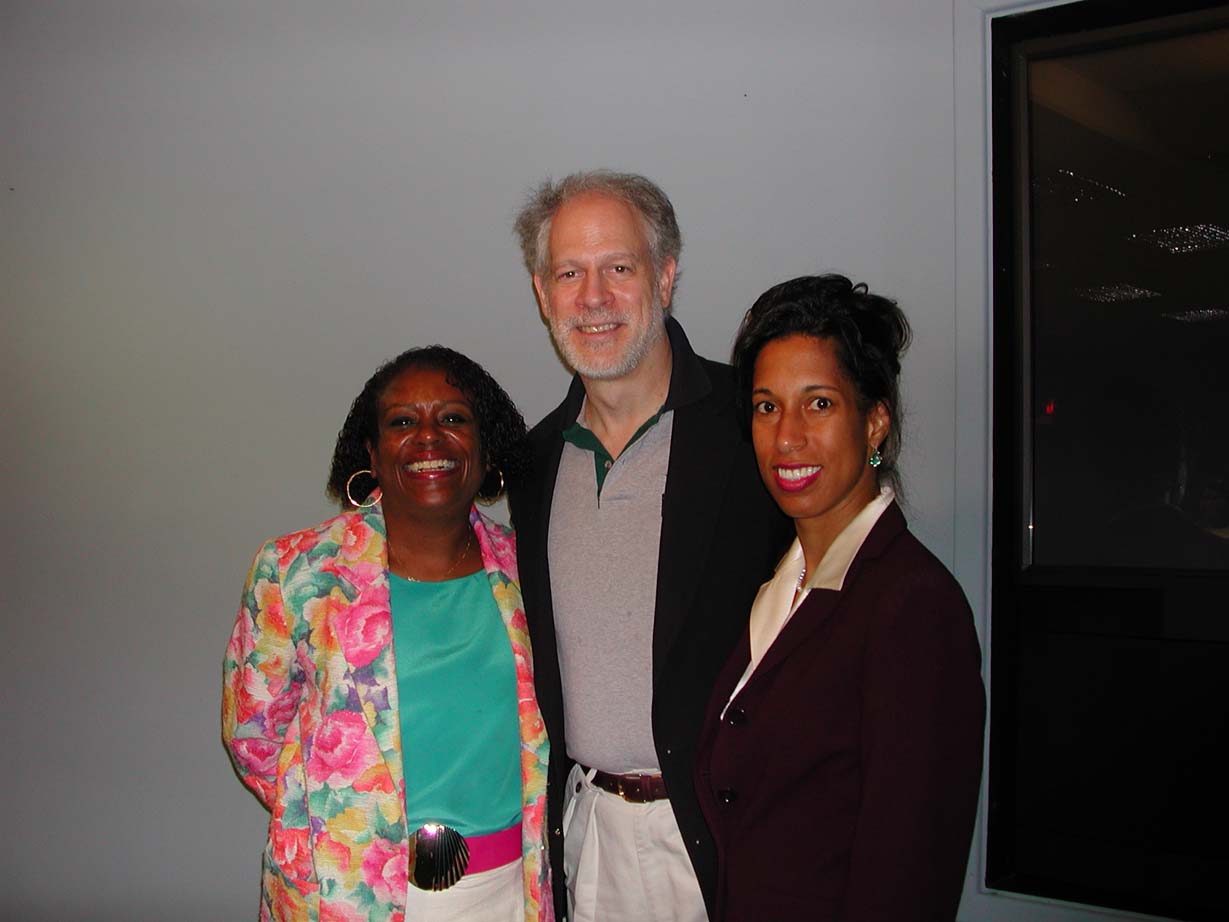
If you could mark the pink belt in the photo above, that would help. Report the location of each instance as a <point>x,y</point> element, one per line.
<point>439,856</point>
<point>493,850</point>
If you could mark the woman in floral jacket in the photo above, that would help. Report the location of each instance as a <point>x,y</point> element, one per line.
<point>378,685</point>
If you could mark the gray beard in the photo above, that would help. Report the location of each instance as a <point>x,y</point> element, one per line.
<point>620,365</point>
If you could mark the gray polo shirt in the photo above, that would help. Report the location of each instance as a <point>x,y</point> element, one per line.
<point>605,531</point>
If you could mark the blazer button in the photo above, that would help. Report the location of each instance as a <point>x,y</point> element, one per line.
<point>726,796</point>
<point>735,716</point>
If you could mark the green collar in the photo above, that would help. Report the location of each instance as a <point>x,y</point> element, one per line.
<point>584,438</point>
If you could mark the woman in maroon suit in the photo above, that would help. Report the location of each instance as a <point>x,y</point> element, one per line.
<point>840,763</point>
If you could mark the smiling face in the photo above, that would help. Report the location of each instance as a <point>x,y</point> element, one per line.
<point>601,297</point>
<point>427,456</point>
<point>812,442</point>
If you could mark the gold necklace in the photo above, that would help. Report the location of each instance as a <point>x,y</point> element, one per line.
<point>456,563</point>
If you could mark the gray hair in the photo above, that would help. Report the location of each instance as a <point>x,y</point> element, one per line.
<point>534,221</point>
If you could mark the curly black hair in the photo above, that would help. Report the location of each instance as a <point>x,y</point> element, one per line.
<point>870,333</point>
<point>501,427</point>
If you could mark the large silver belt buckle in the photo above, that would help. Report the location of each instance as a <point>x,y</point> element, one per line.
<point>438,856</point>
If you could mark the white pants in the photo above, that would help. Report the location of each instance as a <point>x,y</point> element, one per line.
<point>497,895</point>
<point>625,862</point>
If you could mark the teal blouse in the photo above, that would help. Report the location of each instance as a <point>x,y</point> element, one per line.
<point>456,682</point>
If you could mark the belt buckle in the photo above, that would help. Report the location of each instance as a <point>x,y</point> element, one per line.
<point>631,788</point>
<point>438,856</point>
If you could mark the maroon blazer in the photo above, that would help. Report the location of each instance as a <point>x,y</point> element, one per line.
<point>842,783</point>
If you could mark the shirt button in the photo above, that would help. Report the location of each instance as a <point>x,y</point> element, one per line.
<point>607,464</point>
<point>558,832</point>
<point>735,716</point>
<point>726,796</point>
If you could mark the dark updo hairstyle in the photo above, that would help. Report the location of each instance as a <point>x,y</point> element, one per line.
<point>501,428</point>
<point>870,333</point>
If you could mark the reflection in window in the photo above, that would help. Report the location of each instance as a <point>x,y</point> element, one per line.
<point>1128,264</point>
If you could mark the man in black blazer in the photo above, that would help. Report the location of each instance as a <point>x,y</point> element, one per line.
<point>643,532</point>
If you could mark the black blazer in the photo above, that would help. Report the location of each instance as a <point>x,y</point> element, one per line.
<point>842,783</point>
<point>721,534</point>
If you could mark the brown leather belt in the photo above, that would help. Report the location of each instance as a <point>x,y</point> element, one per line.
<point>635,789</point>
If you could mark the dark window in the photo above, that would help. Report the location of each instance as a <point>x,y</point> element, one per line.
<point>1110,605</point>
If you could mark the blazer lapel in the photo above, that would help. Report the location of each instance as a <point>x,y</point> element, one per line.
<point>701,459</point>
<point>532,534</point>
<point>499,561</point>
<point>812,614</point>
<point>821,604</point>
<point>364,630</point>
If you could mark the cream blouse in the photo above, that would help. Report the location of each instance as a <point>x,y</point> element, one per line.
<point>780,597</point>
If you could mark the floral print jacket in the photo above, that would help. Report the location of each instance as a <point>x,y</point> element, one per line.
<point>309,715</point>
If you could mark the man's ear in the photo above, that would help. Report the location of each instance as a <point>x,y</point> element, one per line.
<point>665,283</point>
<point>539,290</point>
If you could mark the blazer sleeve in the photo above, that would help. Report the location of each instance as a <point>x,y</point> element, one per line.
<point>922,727</point>
<point>260,688</point>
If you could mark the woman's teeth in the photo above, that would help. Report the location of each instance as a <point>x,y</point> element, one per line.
<point>417,467</point>
<point>798,473</point>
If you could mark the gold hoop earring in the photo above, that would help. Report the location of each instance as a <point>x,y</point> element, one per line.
<point>350,496</point>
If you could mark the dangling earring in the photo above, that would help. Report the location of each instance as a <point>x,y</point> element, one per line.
<point>498,493</point>
<point>350,496</point>
<point>875,459</point>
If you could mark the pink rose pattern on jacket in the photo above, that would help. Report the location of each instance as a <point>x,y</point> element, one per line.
<point>309,715</point>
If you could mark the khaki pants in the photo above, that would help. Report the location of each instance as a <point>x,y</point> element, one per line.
<point>625,862</point>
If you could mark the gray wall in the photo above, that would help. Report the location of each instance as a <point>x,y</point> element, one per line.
<point>218,217</point>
